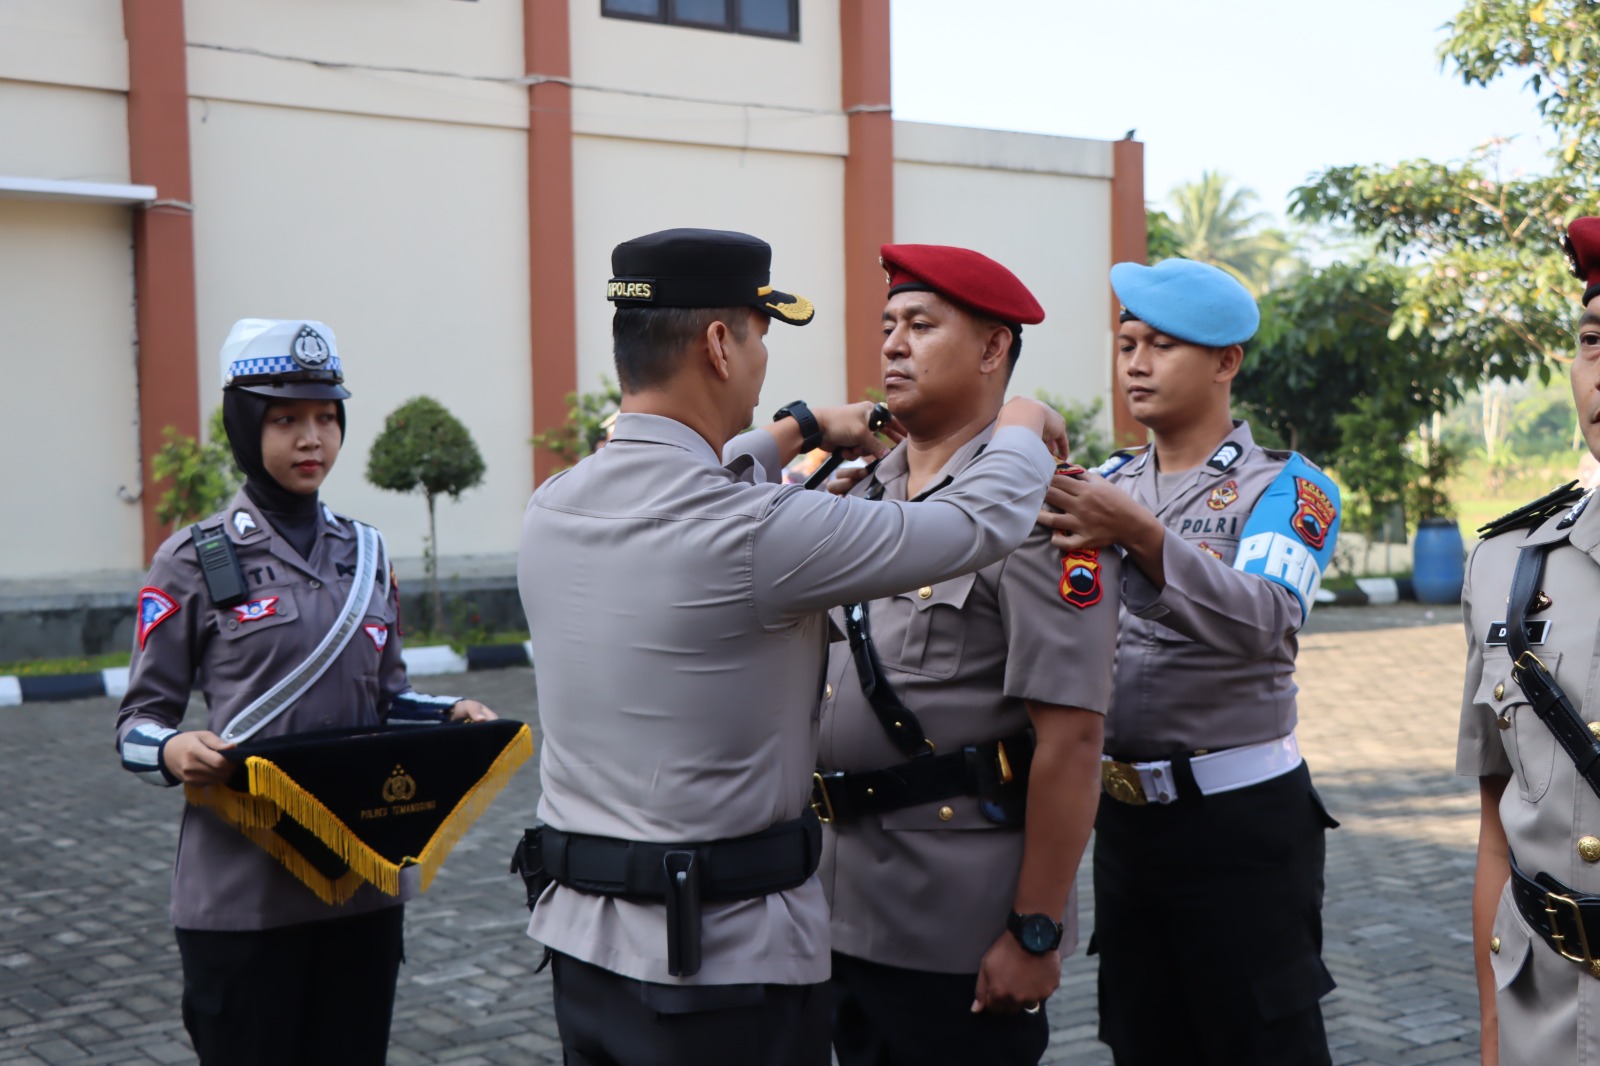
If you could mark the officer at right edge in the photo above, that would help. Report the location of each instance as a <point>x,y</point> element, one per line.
<point>1530,605</point>
<point>1209,851</point>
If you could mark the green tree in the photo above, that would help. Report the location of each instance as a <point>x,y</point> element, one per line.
<point>204,477</point>
<point>424,448</point>
<point>1161,238</point>
<point>589,416</point>
<point>1090,445</point>
<point>1488,281</point>
<point>1214,222</point>
<point>1325,346</point>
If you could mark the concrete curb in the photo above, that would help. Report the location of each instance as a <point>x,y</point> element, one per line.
<point>420,662</point>
<point>1370,590</point>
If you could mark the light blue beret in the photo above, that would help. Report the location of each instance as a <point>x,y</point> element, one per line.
<point>1194,302</point>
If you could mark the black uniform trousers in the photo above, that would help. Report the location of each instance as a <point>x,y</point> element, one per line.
<point>1208,927</point>
<point>888,1016</point>
<point>299,995</point>
<point>610,1020</point>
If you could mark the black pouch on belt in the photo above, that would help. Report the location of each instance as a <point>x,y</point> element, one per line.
<point>528,862</point>
<point>683,913</point>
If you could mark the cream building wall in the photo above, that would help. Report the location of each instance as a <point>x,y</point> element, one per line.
<point>69,410</point>
<point>1041,206</point>
<point>741,133</point>
<point>391,203</point>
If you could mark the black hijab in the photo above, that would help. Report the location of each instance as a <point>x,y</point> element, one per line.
<point>293,514</point>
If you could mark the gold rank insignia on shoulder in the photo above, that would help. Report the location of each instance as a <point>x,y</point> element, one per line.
<point>618,289</point>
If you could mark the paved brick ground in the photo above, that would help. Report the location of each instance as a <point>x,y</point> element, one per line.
<point>88,970</point>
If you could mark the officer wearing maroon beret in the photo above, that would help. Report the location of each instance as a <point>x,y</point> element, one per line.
<point>1527,720</point>
<point>961,723</point>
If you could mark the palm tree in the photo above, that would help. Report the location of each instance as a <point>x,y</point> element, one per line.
<point>1216,224</point>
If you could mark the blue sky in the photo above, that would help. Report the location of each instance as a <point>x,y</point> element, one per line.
<point>1267,91</point>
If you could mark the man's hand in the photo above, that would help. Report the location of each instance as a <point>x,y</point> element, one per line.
<point>845,431</point>
<point>471,711</point>
<point>195,758</point>
<point>1084,511</point>
<point>1010,979</point>
<point>845,479</point>
<point>1039,418</point>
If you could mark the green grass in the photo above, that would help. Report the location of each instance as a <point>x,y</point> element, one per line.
<point>1348,581</point>
<point>421,638</point>
<point>1478,499</point>
<point>60,667</point>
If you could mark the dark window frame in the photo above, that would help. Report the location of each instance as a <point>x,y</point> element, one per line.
<point>732,24</point>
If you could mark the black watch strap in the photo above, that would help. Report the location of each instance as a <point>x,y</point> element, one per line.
<point>810,431</point>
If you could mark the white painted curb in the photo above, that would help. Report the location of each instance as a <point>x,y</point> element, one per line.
<point>434,659</point>
<point>10,691</point>
<point>1379,589</point>
<point>116,681</point>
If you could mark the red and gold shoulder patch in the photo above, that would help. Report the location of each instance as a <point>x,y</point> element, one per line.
<point>155,607</point>
<point>1314,513</point>
<point>1223,495</point>
<point>1080,577</point>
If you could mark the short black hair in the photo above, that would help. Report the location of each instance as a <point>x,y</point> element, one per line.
<point>647,343</point>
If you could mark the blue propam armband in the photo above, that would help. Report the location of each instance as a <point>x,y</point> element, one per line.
<point>1290,536</point>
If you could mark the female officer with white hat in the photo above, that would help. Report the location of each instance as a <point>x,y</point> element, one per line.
<point>300,633</point>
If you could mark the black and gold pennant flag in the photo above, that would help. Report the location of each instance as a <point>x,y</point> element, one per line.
<point>341,807</point>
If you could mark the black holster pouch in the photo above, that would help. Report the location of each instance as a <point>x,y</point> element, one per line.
<point>683,912</point>
<point>528,862</point>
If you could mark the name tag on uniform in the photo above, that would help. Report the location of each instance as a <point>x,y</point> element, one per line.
<point>1500,633</point>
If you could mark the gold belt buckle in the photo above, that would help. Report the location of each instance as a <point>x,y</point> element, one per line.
<point>1587,958</point>
<point>1121,782</point>
<point>823,807</point>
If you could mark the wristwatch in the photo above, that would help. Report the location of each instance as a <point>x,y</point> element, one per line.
<point>1039,934</point>
<point>810,432</point>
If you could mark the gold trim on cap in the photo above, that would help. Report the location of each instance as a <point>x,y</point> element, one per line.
<point>801,309</point>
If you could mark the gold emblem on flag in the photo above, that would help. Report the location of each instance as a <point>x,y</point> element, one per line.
<point>400,786</point>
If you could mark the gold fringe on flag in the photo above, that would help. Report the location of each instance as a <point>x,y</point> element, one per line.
<point>274,794</point>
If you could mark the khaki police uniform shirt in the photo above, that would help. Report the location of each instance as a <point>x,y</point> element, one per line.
<point>221,880</point>
<point>1208,661</point>
<point>909,888</point>
<point>677,612</point>
<point>1547,807</point>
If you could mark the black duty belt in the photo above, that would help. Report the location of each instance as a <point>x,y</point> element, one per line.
<point>976,770</point>
<point>683,876</point>
<point>1567,919</point>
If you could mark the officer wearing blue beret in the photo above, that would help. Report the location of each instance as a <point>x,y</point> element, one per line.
<point>1208,859</point>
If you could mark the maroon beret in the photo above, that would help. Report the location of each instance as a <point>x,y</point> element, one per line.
<point>1582,245</point>
<point>966,277</point>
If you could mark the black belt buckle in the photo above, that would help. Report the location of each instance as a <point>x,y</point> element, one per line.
<point>683,913</point>
<point>528,862</point>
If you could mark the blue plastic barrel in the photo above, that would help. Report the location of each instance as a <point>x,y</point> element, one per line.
<point>1438,561</point>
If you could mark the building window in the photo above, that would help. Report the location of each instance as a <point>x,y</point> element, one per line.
<point>759,18</point>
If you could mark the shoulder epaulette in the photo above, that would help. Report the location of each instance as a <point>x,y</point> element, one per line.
<point>1533,513</point>
<point>1119,459</point>
<point>1282,454</point>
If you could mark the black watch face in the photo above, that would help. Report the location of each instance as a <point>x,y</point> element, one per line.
<point>1039,934</point>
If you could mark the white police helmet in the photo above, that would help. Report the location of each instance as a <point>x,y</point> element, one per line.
<point>287,359</point>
